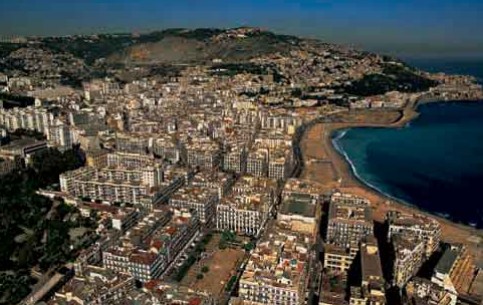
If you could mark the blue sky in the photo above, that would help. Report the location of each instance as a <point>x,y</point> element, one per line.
<point>394,26</point>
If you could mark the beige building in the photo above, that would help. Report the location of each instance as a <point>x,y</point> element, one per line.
<point>338,259</point>
<point>235,160</point>
<point>280,163</point>
<point>120,177</point>
<point>408,258</point>
<point>202,200</point>
<point>218,181</point>
<point>300,208</point>
<point>371,290</point>
<point>113,184</point>
<point>95,285</point>
<point>257,162</point>
<point>349,220</point>
<point>146,250</point>
<point>455,270</point>
<point>277,271</point>
<point>425,228</point>
<point>204,154</point>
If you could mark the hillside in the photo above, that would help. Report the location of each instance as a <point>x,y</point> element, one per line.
<point>291,60</point>
<point>197,46</point>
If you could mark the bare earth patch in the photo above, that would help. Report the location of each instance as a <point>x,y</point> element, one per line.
<point>222,265</point>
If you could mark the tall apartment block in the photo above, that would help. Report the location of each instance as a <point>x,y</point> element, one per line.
<point>425,228</point>
<point>349,221</point>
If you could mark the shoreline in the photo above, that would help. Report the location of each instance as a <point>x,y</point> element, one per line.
<point>338,134</point>
<point>346,180</point>
<point>358,176</point>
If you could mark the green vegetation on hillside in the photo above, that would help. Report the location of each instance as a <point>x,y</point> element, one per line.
<point>392,78</point>
<point>101,46</point>
<point>7,48</point>
<point>89,49</point>
<point>49,164</point>
<point>34,230</point>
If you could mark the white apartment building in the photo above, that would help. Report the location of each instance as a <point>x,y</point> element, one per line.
<point>29,118</point>
<point>243,214</point>
<point>113,184</point>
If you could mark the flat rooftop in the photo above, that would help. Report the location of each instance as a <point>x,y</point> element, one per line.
<point>21,143</point>
<point>299,206</point>
<point>447,261</point>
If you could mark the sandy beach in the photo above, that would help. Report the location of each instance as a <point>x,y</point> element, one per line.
<point>324,165</point>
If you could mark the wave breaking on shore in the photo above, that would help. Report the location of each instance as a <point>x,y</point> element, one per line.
<point>335,138</point>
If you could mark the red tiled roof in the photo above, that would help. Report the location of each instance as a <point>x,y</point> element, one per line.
<point>195,301</point>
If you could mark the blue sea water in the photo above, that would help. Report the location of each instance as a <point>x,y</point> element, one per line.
<point>435,162</point>
<point>467,66</point>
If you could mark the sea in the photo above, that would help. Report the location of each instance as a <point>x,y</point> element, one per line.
<point>434,162</point>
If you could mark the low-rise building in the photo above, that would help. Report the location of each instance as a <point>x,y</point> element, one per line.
<point>455,270</point>
<point>10,164</point>
<point>155,292</point>
<point>95,285</point>
<point>125,219</point>
<point>300,206</point>
<point>24,148</point>
<point>422,291</point>
<point>333,288</point>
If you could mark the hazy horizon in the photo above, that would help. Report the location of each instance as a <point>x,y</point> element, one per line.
<point>404,28</point>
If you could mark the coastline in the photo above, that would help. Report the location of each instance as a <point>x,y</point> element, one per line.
<point>345,177</point>
<point>354,168</point>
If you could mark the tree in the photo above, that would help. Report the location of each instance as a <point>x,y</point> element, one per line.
<point>199,276</point>
<point>205,269</point>
<point>33,230</point>
<point>49,164</point>
<point>200,248</point>
<point>249,246</point>
<point>230,283</point>
<point>228,236</point>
